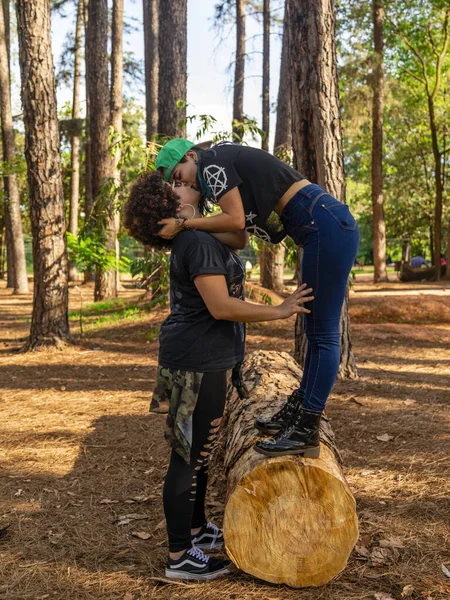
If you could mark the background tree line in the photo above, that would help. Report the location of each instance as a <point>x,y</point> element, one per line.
<point>69,168</point>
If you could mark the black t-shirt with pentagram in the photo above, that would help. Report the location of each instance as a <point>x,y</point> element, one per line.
<point>262,180</point>
<point>191,339</point>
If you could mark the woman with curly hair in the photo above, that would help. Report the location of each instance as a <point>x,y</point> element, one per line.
<point>202,338</point>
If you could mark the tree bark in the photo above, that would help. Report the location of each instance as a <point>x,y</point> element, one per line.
<point>439,188</point>
<point>88,198</point>
<point>283,131</point>
<point>12,194</point>
<point>239,72</point>
<point>172,66</point>
<point>116,122</point>
<point>266,77</point>
<point>305,505</point>
<point>10,275</point>
<point>272,267</point>
<point>99,121</point>
<point>50,324</point>
<point>316,133</point>
<point>75,141</point>
<point>379,226</point>
<point>151,40</point>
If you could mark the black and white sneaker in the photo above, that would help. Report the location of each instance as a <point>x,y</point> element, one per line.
<point>209,537</point>
<point>194,565</point>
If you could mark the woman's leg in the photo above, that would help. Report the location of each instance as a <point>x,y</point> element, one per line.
<point>183,479</point>
<point>330,239</point>
<point>328,256</point>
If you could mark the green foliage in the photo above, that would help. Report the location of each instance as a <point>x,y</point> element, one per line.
<point>154,269</point>
<point>408,164</point>
<point>88,252</point>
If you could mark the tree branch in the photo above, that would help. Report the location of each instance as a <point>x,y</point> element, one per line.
<point>441,55</point>
<point>414,50</point>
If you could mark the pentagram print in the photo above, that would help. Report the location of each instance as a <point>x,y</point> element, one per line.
<point>216,178</point>
<point>255,230</point>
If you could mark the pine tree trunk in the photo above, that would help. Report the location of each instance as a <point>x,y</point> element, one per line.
<point>50,324</point>
<point>75,141</point>
<point>239,72</point>
<point>12,194</point>
<point>283,131</point>
<point>99,120</point>
<point>438,187</point>
<point>272,267</point>
<point>116,121</point>
<point>10,276</point>
<point>172,66</point>
<point>266,77</point>
<point>151,40</point>
<point>88,198</point>
<point>316,134</point>
<point>379,226</point>
<point>299,511</point>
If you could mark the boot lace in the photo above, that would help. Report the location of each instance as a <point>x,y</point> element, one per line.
<point>288,409</point>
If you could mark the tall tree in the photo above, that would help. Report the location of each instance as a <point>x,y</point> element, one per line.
<point>425,62</point>
<point>99,120</point>
<point>88,198</point>
<point>172,66</point>
<point>266,77</point>
<point>151,40</point>
<point>50,323</point>
<point>75,138</point>
<point>317,137</point>
<point>12,194</point>
<point>379,226</point>
<point>272,267</point>
<point>272,257</point>
<point>10,275</point>
<point>239,71</point>
<point>283,130</point>
<point>116,120</point>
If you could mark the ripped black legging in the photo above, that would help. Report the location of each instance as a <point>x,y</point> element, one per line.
<point>185,484</point>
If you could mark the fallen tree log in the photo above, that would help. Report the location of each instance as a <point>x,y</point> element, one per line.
<point>288,519</point>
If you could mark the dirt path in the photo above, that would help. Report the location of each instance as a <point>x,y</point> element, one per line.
<point>79,451</point>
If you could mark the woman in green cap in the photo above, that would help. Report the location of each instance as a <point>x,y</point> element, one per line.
<point>270,199</point>
<point>200,340</point>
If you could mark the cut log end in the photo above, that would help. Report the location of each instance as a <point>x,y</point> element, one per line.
<point>291,520</point>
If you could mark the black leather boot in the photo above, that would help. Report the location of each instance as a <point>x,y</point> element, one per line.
<point>283,417</point>
<point>302,437</point>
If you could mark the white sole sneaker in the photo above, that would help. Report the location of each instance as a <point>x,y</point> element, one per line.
<point>189,576</point>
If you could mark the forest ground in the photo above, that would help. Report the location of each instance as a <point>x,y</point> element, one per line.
<point>79,451</point>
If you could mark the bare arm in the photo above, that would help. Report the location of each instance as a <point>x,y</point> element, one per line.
<point>237,240</point>
<point>213,289</point>
<point>232,218</point>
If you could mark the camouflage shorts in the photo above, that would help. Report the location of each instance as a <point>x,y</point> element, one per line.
<point>180,390</point>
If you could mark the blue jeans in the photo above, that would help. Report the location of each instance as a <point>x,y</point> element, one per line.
<point>330,238</point>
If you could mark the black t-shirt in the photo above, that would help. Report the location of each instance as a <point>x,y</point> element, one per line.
<point>262,180</point>
<point>191,339</point>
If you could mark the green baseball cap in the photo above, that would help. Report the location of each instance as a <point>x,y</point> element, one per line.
<point>171,154</point>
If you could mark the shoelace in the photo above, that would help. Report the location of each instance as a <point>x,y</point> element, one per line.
<point>216,533</point>
<point>287,409</point>
<point>198,553</point>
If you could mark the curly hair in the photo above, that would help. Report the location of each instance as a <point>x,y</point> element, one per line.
<point>150,200</point>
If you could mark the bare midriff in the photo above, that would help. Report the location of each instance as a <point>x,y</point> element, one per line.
<point>289,194</point>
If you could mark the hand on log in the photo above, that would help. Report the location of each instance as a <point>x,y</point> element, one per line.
<point>288,519</point>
